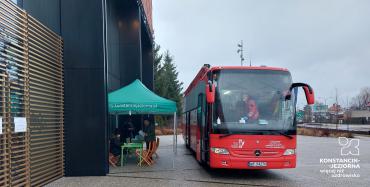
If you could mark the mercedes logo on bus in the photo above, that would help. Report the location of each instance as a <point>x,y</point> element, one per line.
<point>257,152</point>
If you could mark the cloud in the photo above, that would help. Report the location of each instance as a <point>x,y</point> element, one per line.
<point>323,43</point>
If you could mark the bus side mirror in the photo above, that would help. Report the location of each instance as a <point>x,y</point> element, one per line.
<point>310,96</point>
<point>210,92</point>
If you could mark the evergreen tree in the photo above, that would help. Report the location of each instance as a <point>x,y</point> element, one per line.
<point>171,86</point>
<point>157,69</point>
<point>166,83</point>
<point>157,57</point>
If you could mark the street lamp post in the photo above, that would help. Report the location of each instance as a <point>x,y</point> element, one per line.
<point>240,50</point>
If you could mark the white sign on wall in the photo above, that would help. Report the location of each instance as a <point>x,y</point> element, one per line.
<point>20,124</point>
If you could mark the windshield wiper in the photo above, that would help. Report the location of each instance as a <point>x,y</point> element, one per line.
<point>226,135</point>
<point>229,134</point>
<point>279,132</point>
<point>285,134</point>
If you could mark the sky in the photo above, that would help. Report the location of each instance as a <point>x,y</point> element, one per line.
<point>323,43</point>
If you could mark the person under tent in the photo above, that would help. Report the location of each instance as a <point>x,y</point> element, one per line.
<point>149,132</point>
<point>115,148</point>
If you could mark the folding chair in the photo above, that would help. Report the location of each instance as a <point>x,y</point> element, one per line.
<point>152,151</point>
<point>112,160</point>
<point>147,154</point>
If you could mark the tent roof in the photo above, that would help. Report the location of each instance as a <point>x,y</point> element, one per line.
<point>136,98</point>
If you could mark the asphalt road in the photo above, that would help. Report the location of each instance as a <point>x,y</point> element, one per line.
<point>185,171</point>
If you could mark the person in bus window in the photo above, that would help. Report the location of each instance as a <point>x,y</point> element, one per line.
<point>253,113</point>
<point>249,108</point>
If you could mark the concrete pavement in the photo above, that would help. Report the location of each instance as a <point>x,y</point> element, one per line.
<point>183,170</point>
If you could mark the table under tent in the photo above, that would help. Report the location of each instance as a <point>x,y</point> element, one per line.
<point>136,98</point>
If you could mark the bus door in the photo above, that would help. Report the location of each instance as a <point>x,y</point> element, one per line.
<point>187,128</point>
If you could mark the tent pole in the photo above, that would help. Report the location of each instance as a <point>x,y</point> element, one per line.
<point>173,138</point>
<point>174,133</point>
<point>175,121</point>
<point>116,121</point>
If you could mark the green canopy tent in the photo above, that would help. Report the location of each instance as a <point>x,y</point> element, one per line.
<point>136,98</point>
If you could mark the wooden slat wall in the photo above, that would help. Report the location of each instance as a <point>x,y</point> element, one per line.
<point>46,103</point>
<point>4,137</point>
<point>31,86</point>
<point>14,60</point>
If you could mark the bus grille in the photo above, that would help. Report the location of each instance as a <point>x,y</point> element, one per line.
<point>247,153</point>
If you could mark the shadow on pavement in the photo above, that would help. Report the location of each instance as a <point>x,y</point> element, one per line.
<point>238,174</point>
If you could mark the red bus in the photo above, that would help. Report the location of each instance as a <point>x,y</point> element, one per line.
<point>242,117</point>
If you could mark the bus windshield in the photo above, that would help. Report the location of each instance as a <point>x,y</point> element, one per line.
<point>252,101</point>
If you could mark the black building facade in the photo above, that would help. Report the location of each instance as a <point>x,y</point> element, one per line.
<point>107,45</point>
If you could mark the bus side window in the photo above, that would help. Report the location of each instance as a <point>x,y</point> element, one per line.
<point>200,109</point>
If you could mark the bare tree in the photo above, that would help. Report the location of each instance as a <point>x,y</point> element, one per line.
<point>362,99</point>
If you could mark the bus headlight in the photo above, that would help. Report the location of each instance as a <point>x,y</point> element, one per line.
<point>289,152</point>
<point>221,151</point>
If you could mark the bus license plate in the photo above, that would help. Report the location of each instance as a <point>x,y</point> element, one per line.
<point>257,164</point>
